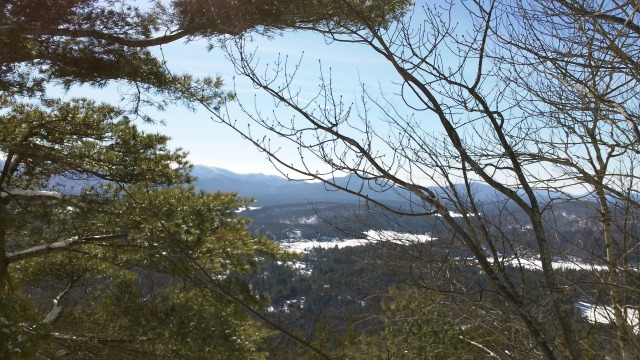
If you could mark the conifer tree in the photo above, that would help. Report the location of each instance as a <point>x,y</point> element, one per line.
<point>100,227</point>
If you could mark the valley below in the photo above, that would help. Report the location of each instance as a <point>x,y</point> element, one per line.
<point>355,263</point>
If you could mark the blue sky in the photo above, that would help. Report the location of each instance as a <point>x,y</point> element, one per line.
<point>214,144</point>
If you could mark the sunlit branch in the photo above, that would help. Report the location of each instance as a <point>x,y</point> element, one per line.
<point>59,246</point>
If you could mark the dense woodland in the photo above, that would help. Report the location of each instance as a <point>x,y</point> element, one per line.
<point>363,301</point>
<point>510,134</point>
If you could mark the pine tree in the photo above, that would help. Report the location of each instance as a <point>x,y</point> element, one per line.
<point>101,230</point>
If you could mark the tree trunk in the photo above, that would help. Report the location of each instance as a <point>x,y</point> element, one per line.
<point>626,337</point>
<point>4,282</point>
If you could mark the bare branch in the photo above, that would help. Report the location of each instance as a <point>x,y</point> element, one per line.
<point>60,246</point>
<point>56,309</point>
<point>30,193</point>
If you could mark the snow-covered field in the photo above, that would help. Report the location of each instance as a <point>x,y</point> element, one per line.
<point>593,313</point>
<point>535,264</point>
<point>604,315</point>
<point>373,236</point>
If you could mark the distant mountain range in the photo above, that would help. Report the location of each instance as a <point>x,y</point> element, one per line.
<point>268,190</point>
<point>308,210</point>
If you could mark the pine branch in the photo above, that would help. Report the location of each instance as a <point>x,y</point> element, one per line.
<point>94,34</point>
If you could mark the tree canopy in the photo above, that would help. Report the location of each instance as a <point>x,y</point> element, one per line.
<point>95,42</point>
<point>108,251</point>
<point>101,229</point>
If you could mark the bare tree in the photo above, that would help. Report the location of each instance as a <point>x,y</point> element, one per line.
<point>536,99</point>
<point>580,86</point>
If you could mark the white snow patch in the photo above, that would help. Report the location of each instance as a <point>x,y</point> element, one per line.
<point>535,264</point>
<point>602,314</point>
<point>309,220</point>
<point>247,208</point>
<point>454,214</point>
<point>301,268</point>
<point>396,237</point>
<point>287,305</point>
<point>307,245</point>
<point>373,236</point>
